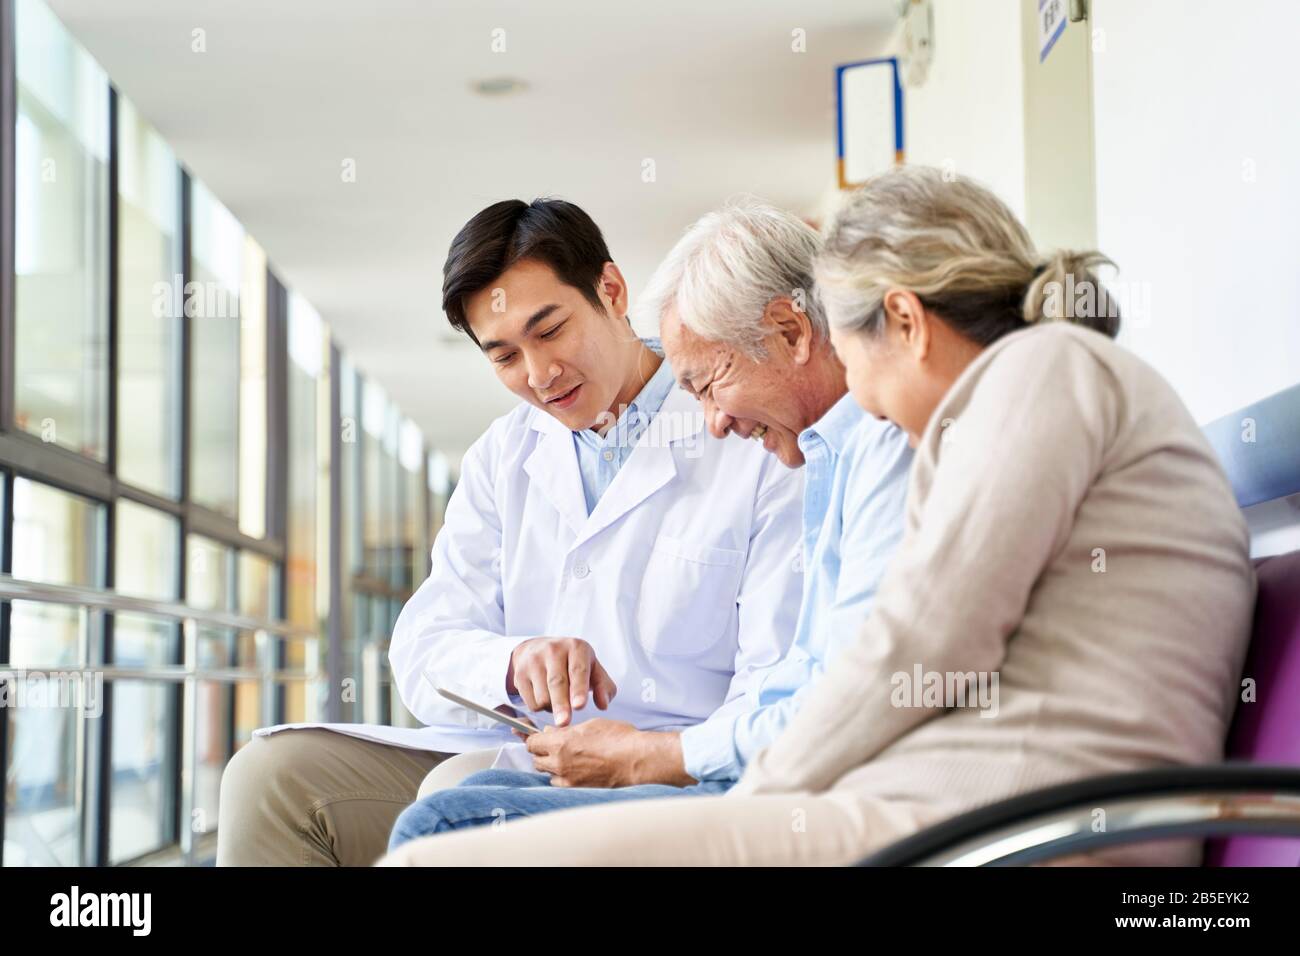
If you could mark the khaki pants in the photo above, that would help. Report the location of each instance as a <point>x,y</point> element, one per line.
<point>317,798</point>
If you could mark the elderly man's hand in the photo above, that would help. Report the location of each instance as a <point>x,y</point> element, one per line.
<point>608,753</point>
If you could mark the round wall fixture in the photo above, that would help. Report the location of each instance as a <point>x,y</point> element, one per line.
<point>498,86</point>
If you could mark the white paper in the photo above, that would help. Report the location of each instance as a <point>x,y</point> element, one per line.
<point>413,738</point>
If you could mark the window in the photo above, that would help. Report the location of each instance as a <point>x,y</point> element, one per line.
<point>210,485</point>
<point>147,554</point>
<point>259,596</point>
<point>212,309</point>
<point>252,391</point>
<point>210,584</point>
<point>308,520</point>
<point>58,538</point>
<point>145,722</point>
<point>413,556</point>
<point>439,474</point>
<point>306,361</point>
<point>352,557</point>
<point>61,141</point>
<point>144,713</point>
<point>150,307</point>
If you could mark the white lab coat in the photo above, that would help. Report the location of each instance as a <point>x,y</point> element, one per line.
<point>685,579</point>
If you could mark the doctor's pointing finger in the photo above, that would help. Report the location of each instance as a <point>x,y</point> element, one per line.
<point>557,674</point>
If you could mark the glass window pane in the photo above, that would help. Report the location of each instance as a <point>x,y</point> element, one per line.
<point>150,306</point>
<point>351,558</point>
<point>303,699</point>
<point>306,344</point>
<point>60,236</point>
<point>410,454</point>
<point>142,641</point>
<point>214,648</point>
<point>246,650</point>
<point>439,490</point>
<point>391,498</point>
<point>248,711</point>
<point>212,742</point>
<point>41,825</point>
<point>212,309</point>
<point>147,553</point>
<point>295,702</point>
<point>258,584</point>
<point>379,509</point>
<point>44,635</point>
<point>58,537</point>
<point>252,392</point>
<point>209,574</point>
<point>298,655</point>
<point>144,719</point>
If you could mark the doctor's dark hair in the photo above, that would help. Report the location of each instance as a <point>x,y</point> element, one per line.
<point>551,231</point>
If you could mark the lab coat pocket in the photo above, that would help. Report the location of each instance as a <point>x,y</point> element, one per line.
<point>688,596</point>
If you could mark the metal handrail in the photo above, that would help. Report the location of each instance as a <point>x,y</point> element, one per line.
<point>88,600</point>
<point>175,672</point>
<point>1136,820</point>
<point>19,589</point>
<point>1160,803</point>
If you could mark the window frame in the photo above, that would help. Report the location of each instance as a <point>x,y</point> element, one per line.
<point>23,455</point>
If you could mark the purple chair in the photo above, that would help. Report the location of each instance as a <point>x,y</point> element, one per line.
<point>1248,808</point>
<point>1268,730</point>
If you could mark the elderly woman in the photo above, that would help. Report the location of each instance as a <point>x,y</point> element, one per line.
<point>1072,595</point>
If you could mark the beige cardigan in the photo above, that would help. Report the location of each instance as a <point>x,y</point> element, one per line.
<point>1069,530</point>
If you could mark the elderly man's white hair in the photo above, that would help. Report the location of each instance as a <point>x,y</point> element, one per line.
<point>728,266</point>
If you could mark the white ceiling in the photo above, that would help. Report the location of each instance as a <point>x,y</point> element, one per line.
<point>288,90</point>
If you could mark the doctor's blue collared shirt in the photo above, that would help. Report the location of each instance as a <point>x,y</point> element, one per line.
<point>601,456</point>
<point>855,489</point>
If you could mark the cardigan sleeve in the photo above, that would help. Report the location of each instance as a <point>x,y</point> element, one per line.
<point>1028,436</point>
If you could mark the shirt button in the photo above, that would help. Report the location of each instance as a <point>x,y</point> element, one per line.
<point>607,455</point>
<point>580,570</point>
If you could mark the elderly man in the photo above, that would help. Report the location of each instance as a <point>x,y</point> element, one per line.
<point>745,336</point>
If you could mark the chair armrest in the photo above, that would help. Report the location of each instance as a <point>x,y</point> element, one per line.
<point>1166,803</point>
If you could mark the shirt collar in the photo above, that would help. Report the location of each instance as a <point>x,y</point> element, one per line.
<point>648,401</point>
<point>836,425</point>
<point>651,397</point>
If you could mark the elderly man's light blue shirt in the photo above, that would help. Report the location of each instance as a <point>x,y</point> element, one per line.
<point>601,456</point>
<point>855,491</point>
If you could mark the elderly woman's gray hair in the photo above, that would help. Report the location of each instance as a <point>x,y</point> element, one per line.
<point>963,253</point>
<point>722,274</point>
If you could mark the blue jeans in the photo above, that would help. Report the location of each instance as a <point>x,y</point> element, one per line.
<point>491,795</point>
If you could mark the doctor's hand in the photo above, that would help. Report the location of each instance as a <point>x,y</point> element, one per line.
<point>556,674</point>
<point>608,753</point>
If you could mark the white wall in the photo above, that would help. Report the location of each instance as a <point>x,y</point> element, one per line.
<point>1060,170</point>
<point>969,111</point>
<point>1198,188</point>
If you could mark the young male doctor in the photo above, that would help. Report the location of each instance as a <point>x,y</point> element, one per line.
<point>599,553</point>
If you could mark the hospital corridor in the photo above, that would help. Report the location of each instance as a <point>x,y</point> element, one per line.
<point>481,434</point>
